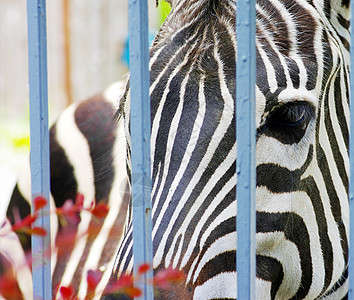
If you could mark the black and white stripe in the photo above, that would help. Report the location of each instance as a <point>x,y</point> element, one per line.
<point>302,118</point>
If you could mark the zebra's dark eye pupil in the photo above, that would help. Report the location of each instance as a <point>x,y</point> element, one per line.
<point>288,122</point>
<point>290,115</point>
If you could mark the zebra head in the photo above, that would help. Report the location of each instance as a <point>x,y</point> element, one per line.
<point>301,150</point>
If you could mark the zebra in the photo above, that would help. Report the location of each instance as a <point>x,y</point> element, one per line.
<point>302,117</point>
<point>87,156</point>
<point>302,143</point>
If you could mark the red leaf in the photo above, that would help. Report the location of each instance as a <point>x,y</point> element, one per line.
<point>25,223</point>
<point>100,211</point>
<point>120,285</point>
<point>66,292</point>
<point>9,288</point>
<point>132,292</point>
<point>143,268</point>
<point>124,281</point>
<point>68,207</point>
<point>70,211</point>
<point>79,200</point>
<point>93,279</point>
<point>38,231</point>
<point>164,278</point>
<point>39,202</point>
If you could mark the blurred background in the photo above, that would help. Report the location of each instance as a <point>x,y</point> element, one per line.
<point>87,51</point>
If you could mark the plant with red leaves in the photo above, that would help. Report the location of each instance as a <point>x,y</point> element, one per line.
<point>100,211</point>
<point>8,284</point>
<point>25,226</point>
<point>143,269</point>
<point>163,279</point>
<point>68,214</point>
<point>39,202</point>
<point>93,279</point>
<point>67,293</point>
<point>167,277</point>
<point>70,211</point>
<point>124,285</point>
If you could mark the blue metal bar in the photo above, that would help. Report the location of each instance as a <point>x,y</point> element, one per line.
<point>351,176</point>
<point>37,58</point>
<point>140,144</point>
<point>246,140</point>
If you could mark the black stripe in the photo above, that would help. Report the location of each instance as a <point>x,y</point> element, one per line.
<point>335,202</point>
<point>310,187</point>
<point>279,179</point>
<point>63,185</point>
<point>262,77</point>
<point>275,62</point>
<point>294,72</point>
<point>338,100</point>
<point>167,115</point>
<point>291,223</point>
<point>333,139</point>
<point>19,203</point>
<point>280,33</point>
<point>270,269</point>
<point>227,54</point>
<point>342,21</point>
<point>19,207</point>
<point>218,264</point>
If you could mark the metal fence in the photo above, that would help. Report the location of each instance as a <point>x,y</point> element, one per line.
<point>140,128</point>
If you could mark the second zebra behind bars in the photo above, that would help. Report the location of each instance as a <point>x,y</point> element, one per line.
<point>302,117</point>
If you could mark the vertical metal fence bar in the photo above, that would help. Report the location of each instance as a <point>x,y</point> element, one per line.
<point>140,144</point>
<point>351,156</point>
<point>39,157</point>
<point>246,139</point>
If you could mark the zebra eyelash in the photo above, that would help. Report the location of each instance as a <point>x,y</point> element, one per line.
<point>288,118</point>
<point>294,114</point>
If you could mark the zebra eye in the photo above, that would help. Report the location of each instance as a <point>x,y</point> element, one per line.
<point>294,114</point>
<point>288,122</point>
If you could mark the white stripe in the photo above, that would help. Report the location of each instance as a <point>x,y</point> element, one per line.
<point>218,287</point>
<point>77,151</point>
